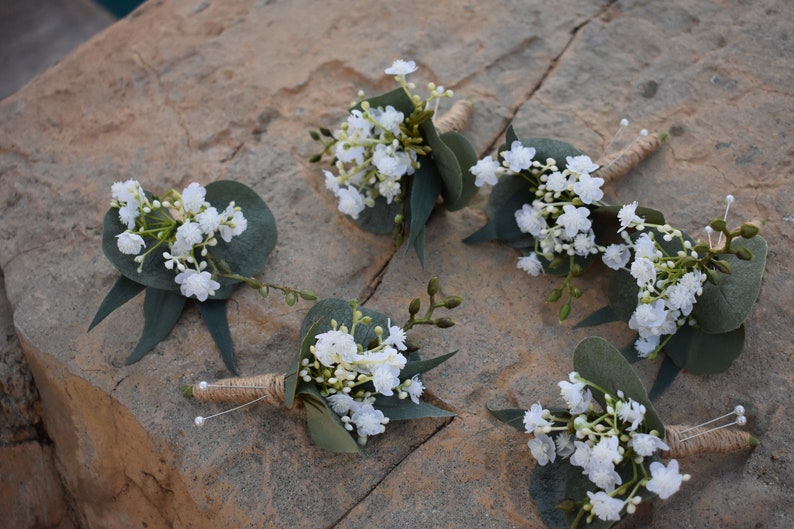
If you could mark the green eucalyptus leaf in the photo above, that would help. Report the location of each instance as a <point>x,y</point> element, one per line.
<point>622,294</point>
<point>325,428</point>
<point>291,381</point>
<point>445,162</point>
<point>161,311</point>
<point>424,190</point>
<point>508,195</point>
<point>725,306</point>
<point>213,312</point>
<point>397,98</point>
<point>547,487</point>
<point>245,254</point>
<point>599,317</point>
<point>598,361</point>
<point>668,371</point>
<point>467,158</point>
<point>404,409</point>
<point>549,148</point>
<point>379,218</point>
<point>121,292</point>
<point>512,416</point>
<point>418,367</point>
<point>702,353</point>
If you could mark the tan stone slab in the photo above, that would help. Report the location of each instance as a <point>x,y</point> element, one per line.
<point>205,90</point>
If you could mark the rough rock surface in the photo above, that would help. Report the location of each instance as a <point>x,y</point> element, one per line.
<point>201,90</point>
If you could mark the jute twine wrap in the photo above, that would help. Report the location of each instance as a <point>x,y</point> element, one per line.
<point>455,118</point>
<point>242,390</point>
<point>714,442</point>
<point>626,161</point>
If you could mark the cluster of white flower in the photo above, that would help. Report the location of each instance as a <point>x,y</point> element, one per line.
<point>669,284</point>
<point>599,444</point>
<point>184,222</point>
<point>374,150</point>
<point>343,371</point>
<point>557,218</point>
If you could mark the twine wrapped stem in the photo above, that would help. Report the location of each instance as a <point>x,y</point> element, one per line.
<point>455,118</point>
<point>616,165</point>
<point>242,390</point>
<point>714,442</point>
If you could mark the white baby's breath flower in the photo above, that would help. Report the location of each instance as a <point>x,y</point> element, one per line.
<point>616,256</point>
<point>129,213</point>
<point>581,165</point>
<point>628,216</point>
<point>543,449</point>
<point>335,346</point>
<point>665,481</point>
<point>530,219</point>
<point>533,418</point>
<point>189,233</point>
<point>350,201</point>
<point>605,506</point>
<point>193,197</point>
<point>401,67</point>
<point>631,412</point>
<point>209,220</point>
<point>342,403</point>
<point>415,389</point>
<point>129,243</point>
<point>199,284</point>
<point>588,188</point>
<point>369,421</point>
<point>574,220</point>
<point>234,224</point>
<point>518,157</point>
<point>646,445</point>
<point>575,394</point>
<point>396,337</point>
<point>486,172</point>
<point>644,271</point>
<point>530,264</point>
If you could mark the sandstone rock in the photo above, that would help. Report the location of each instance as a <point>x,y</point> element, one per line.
<point>200,90</point>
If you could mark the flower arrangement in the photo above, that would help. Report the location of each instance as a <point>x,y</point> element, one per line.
<point>392,161</point>
<point>354,373</point>
<point>179,246</point>
<point>597,465</point>
<point>684,297</point>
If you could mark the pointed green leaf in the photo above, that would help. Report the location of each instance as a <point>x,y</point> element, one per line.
<point>547,489</point>
<point>214,314</point>
<point>622,294</point>
<point>418,367</point>
<point>325,428</point>
<point>508,195</point>
<point>379,218</point>
<point>404,409</point>
<point>725,306</point>
<point>445,163</point>
<point>599,317</point>
<point>599,362</point>
<point>425,187</point>
<point>396,98</point>
<point>291,380</point>
<point>668,371</point>
<point>467,158</point>
<point>513,416</point>
<point>161,311</point>
<point>701,353</point>
<point>121,292</point>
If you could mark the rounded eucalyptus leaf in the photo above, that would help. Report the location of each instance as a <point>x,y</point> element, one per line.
<point>467,158</point>
<point>725,306</point>
<point>445,163</point>
<point>245,255</point>
<point>549,148</point>
<point>379,218</point>
<point>329,309</point>
<point>701,353</point>
<point>508,195</point>
<point>598,361</point>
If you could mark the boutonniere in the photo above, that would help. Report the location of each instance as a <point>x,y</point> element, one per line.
<point>354,373</point>
<point>392,158</point>
<point>200,243</point>
<point>603,454</point>
<point>686,297</point>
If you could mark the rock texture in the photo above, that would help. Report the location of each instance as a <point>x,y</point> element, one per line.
<point>207,89</point>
